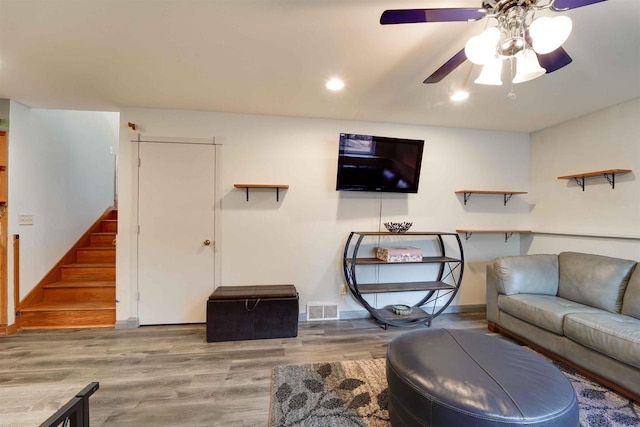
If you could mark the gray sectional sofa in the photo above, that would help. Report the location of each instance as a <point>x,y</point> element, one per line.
<point>579,308</point>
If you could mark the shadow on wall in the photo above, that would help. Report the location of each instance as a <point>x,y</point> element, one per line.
<point>259,198</point>
<point>487,203</point>
<point>601,180</point>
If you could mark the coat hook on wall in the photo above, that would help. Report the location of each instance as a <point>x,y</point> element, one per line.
<point>132,126</point>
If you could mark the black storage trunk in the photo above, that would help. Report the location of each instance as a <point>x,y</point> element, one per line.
<point>252,312</point>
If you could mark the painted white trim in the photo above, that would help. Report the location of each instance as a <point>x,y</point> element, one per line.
<point>217,217</point>
<point>589,235</point>
<point>364,314</point>
<point>138,137</point>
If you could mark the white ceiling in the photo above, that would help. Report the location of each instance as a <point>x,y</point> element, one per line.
<point>273,57</point>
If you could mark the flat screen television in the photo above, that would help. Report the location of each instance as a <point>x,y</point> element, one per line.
<point>376,163</point>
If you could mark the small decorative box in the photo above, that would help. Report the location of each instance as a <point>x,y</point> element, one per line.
<point>399,254</point>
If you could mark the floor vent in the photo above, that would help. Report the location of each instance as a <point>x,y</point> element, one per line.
<point>322,311</point>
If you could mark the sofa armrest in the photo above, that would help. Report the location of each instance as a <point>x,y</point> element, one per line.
<point>527,274</point>
<point>493,313</point>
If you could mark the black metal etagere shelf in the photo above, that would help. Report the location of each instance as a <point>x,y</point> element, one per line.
<point>437,293</point>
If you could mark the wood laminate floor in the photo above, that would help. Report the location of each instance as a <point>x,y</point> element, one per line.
<point>170,375</point>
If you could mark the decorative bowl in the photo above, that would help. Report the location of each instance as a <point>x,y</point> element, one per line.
<point>398,227</point>
<point>401,309</point>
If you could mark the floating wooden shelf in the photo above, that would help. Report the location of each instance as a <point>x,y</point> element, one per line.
<point>609,174</point>
<point>507,233</point>
<point>506,194</point>
<point>277,187</point>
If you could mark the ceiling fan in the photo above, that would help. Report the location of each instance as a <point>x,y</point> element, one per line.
<point>535,44</point>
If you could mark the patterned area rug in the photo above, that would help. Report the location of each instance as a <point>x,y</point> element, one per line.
<point>354,394</point>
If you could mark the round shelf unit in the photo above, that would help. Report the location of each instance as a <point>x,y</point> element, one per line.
<point>436,292</point>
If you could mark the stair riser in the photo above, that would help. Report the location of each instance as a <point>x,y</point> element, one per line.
<point>101,240</point>
<point>88,294</point>
<point>110,226</point>
<point>91,256</point>
<point>88,273</point>
<point>67,319</point>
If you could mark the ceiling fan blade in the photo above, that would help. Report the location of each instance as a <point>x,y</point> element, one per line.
<point>554,60</point>
<point>447,68</point>
<point>572,4</point>
<point>411,16</point>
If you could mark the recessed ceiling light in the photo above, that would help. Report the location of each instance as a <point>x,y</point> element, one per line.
<point>459,95</point>
<point>334,84</point>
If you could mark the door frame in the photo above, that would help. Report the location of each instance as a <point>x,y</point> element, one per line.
<point>217,229</point>
<point>4,241</point>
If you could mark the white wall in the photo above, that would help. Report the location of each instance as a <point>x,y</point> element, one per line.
<point>300,240</point>
<point>62,172</point>
<point>607,139</point>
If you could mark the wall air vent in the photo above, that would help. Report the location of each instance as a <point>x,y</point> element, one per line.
<point>322,311</point>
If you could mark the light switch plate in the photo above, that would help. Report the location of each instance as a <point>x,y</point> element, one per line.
<point>25,219</point>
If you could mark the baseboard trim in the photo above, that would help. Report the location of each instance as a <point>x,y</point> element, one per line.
<point>363,314</point>
<point>130,323</point>
<point>8,329</point>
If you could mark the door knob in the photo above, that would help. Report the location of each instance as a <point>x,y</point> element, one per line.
<point>207,242</point>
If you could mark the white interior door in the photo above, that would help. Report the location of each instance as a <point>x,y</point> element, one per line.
<point>175,243</point>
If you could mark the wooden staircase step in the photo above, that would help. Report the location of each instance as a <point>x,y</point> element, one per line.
<point>85,293</point>
<point>102,238</point>
<point>89,271</point>
<point>89,291</point>
<point>109,225</point>
<point>79,284</point>
<point>72,306</point>
<point>92,254</point>
<point>46,315</point>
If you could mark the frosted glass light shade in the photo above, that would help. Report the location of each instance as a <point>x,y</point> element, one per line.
<point>481,49</point>
<point>528,67</point>
<point>548,34</point>
<point>459,95</point>
<point>335,84</point>
<point>491,73</point>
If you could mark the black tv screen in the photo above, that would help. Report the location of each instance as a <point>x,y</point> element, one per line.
<point>376,163</point>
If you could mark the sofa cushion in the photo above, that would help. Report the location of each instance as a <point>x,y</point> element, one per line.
<point>614,335</point>
<point>544,311</point>
<point>631,301</point>
<point>527,274</point>
<point>594,280</point>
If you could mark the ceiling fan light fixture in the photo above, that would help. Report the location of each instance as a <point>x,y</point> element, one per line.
<point>459,95</point>
<point>548,34</point>
<point>491,73</point>
<point>528,67</point>
<point>334,84</point>
<point>481,49</point>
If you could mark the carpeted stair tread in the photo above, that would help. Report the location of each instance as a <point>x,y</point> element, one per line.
<point>69,306</point>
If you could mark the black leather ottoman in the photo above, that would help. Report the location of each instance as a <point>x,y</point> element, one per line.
<point>458,378</point>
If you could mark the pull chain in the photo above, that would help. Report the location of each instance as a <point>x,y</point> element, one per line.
<point>511,95</point>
